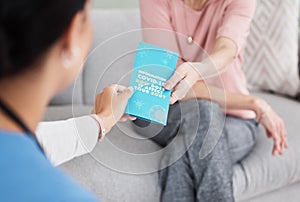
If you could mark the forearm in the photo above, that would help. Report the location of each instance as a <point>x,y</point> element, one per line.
<point>218,60</point>
<point>226,99</point>
<point>65,140</point>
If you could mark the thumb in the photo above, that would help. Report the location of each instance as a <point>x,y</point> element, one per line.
<point>126,93</point>
<point>174,80</point>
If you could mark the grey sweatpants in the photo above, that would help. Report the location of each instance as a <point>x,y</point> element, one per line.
<point>202,145</point>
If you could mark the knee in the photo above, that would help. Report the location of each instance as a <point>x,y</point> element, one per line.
<point>204,109</point>
<point>209,109</point>
<point>206,126</point>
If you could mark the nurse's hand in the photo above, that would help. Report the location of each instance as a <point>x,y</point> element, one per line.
<point>185,76</point>
<point>111,103</point>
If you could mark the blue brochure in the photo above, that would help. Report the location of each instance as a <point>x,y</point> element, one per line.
<point>153,66</point>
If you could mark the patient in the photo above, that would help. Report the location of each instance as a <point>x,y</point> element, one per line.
<point>210,36</point>
<point>42,47</point>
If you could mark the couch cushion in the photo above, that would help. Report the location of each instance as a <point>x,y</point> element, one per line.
<point>289,193</point>
<point>260,172</point>
<point>71,95</point>
<point>271,59</point>
<point>110,185</point>
<point>111,60</point>
<point>55,113</point>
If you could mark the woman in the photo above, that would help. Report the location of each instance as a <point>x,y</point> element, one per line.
<point>43,46</point>
<point>221,29</point>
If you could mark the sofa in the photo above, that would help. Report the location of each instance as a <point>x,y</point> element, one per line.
<point>117,170</point>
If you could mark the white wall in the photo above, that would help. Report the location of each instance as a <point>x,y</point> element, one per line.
<point>115,3</point>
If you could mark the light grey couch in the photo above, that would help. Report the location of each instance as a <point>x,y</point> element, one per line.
<point>258,178</point>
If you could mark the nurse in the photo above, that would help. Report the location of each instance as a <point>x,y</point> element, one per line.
<point>42,48</point>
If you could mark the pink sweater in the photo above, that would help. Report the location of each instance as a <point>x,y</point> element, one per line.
<point>219,18</point>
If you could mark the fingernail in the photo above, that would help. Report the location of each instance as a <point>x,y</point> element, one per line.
<point>130,88</point>
<point>168,86</point>
<point>172,100</point>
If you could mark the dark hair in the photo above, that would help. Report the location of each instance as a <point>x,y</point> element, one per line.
<point>28,28</point>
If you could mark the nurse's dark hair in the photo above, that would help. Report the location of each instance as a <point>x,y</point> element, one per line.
<point>28,28</point>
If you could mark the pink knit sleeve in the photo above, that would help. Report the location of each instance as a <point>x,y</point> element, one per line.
<point>237,20</point>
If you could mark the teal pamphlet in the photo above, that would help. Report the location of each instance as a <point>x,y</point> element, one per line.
<point>153,66</point>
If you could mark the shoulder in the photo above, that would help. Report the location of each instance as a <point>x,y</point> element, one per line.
<point>155,3</point>
<point>24,170</point>
<point>246,7</point>
<point>242,3</point>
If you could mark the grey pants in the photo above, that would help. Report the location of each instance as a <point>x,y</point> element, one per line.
<point>190,174</point>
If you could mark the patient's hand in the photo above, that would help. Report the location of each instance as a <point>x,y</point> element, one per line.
<point>111,103</point>
<point>274,126</point>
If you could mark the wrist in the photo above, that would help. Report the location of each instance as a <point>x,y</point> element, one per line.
<point>199,68</point>
<point>255,105</point>
<point>203,91</point>
<point>101,126</point>
<point>107,121</point>
<point>260,107</point>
